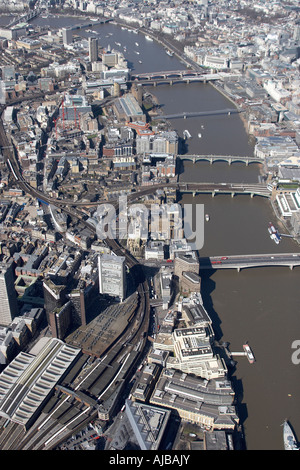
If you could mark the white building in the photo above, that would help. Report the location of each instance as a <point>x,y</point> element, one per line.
<point>194,354</point>
<point>276,91</point>
<point>8,295</point>
<point>112,275</point>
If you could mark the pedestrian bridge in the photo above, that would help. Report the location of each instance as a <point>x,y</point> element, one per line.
<point>191,114</point>
<point>250,261</point>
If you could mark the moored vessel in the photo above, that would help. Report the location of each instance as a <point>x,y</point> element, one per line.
<point>289,439</point>
<point>274,235</point>
<point>186,134</point>
<point>249,353</point>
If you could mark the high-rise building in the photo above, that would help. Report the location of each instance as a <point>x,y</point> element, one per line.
<point>67,36</point>
<point>93,49</point>
<point>8,72</point>
<point>296,34</point>
<point>8,296</point>
<point>54,297</point>
<point>112,275</point>
<point>185,262</point>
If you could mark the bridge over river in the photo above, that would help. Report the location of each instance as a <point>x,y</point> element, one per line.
<point>25,18</point>
<point>250,261</point>
<point>227,158</point>
<point>172,75</point>
<point>255,189</point>
<point>191,114</point>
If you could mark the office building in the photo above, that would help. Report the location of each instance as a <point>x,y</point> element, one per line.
<point>67,36</point>
<point>148,423</point>
<point>73,107</point>
<point>93,49</point>
<point>8,295</point>
<point>208,403</point>
<point>112,276</point>
<point>296,34</point>
<point>55,298</point>
<point>190,282</point>
<point>193,353</point>
<point>185,262</point>
<point>8,72</point>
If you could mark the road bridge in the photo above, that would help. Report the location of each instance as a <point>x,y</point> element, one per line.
<point>227,158</point>
<point>90,23</point>
<point>239,262</point>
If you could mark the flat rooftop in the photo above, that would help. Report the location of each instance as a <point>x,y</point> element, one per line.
<point>96,337</point>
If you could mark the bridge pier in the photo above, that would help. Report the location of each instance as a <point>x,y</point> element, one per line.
<point>194,160</point>
<point>211,161</point>
<point>213,194</point>
<point>233,194</point>
<point>252,195</point>
<point>291,267</point>
<point>229,161</point>
<point>238,269</point>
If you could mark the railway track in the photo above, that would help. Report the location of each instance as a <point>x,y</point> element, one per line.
<point>16,437</point>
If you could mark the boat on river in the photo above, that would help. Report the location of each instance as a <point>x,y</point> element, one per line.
<point>249,353</point>
<point>186,134</point>
<point>289,438</point>
<point>274,235</point>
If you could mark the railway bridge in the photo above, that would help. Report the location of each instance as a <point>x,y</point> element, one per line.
<point>174,76</point>
<point>25,17</point>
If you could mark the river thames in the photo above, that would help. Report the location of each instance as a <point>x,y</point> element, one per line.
<point>258,305</point>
